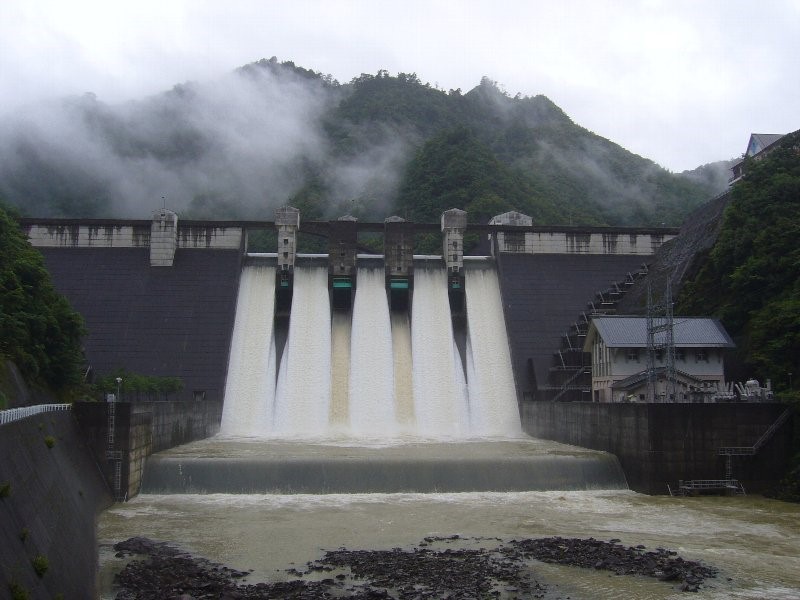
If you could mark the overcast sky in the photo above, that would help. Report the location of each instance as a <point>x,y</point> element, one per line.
<point>682,82</point>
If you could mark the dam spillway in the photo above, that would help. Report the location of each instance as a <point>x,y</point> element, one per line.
<point>334,383</point>
<point>373,401</point>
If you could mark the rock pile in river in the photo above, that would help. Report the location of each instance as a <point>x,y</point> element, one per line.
<point>459,573</point>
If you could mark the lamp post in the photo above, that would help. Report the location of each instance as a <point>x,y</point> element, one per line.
<point>119,383</point>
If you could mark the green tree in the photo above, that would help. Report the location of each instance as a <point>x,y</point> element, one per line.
<point>751,278</point>
<point>39,331</point>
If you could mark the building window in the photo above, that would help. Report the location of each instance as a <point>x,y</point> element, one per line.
<point>632,354</point>
<point>701,355</point>
<point>680,354</point>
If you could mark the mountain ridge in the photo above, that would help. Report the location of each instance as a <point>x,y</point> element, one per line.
<point>272,133</point>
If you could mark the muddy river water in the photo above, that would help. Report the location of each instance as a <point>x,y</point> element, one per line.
<point>754,542</point>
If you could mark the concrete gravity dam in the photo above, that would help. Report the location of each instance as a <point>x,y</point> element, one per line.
<point>407,355</point>
<point>368,400</point>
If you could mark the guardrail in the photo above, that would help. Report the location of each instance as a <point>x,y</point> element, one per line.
<point>15,414</point>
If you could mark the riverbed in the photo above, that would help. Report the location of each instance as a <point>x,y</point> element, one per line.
<point>754,542</point>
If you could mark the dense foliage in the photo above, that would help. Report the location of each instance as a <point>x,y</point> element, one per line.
<point>275,133</point>
<point>39,331</point>
<point>751,279</point>
<point>134,386</point>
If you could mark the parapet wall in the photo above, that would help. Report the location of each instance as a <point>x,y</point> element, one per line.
<point>659,444</point>
<point>129,234</point>
<point>640,243</point>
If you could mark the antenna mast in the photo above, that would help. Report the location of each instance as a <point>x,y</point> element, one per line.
<point>660,345</point>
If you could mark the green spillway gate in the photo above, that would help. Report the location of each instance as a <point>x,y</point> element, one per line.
<point>342,293</point>
<point>399,294</point>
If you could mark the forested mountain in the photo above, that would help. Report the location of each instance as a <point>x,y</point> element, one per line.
<point>751,278</point>
<point>39,331</point>
<point>273,133</point>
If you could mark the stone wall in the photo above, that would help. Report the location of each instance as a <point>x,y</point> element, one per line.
<point>48,503</point>
<point>659,444</point>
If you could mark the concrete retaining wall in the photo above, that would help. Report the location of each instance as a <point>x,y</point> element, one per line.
<point>176,423</point>
<point>48,507</point>
<point>658,444</point>
<point>142,428</point>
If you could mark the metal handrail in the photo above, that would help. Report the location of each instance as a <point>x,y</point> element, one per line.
<point>15,414</point>
<point>773,428</point>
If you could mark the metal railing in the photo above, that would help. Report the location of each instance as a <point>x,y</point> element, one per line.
<point>751,450</point>
<point>15,414</point>
<point>692,486</point>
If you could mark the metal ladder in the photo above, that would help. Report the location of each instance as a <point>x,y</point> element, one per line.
<point>113,455</point>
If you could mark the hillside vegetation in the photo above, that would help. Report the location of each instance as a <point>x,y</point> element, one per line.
<point>39,331</point>
<point>751,278</point>
<point>274,133</point>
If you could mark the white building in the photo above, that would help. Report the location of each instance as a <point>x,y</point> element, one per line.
<point>619,350</point>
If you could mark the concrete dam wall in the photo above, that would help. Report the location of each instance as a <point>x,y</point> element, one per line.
<point>157,321</point>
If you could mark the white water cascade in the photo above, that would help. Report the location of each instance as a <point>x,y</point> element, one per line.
<point>250,387</point>
<point>440,400</point>
<point>380,376</point>
<point>302,399</point>
<point>489,359</point>
<point>372,412</point>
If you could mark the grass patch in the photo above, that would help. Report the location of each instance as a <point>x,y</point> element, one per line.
<point>18,592</point>
<point>5,489</point>
<point>50,441</point>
